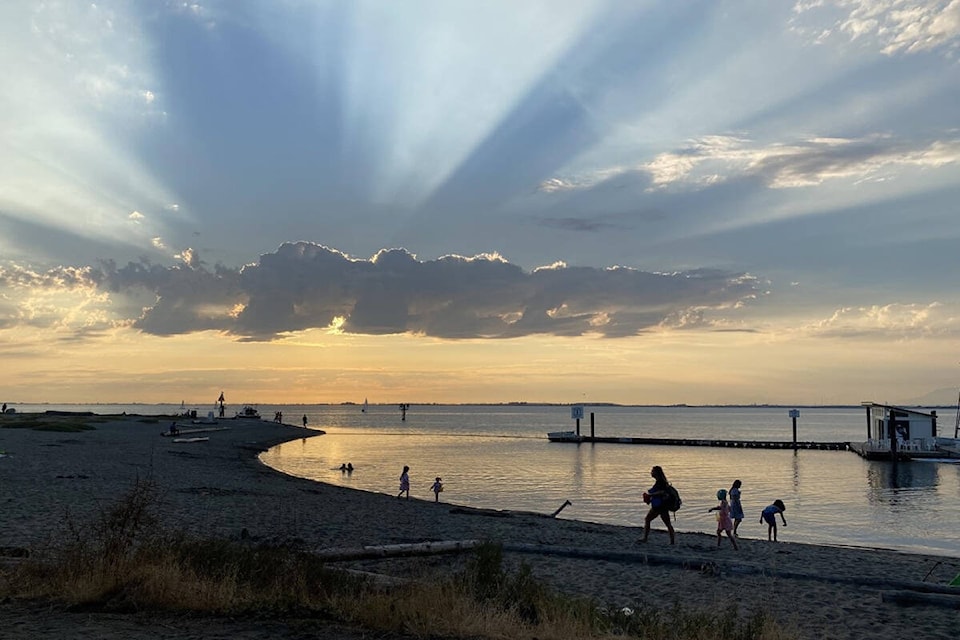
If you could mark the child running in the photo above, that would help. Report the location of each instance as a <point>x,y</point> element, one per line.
<point>769,515</point>
<point>724,523</point>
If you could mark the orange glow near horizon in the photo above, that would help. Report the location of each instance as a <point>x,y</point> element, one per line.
<point>316,367</point>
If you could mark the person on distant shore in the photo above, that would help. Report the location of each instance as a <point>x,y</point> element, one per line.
<point>736,508</point>
<point>656,498</point>
<point>769,515</point>
<point>405,482</point>
<point>724,522</point>
<point>304,421</point>
<point>436,487</point>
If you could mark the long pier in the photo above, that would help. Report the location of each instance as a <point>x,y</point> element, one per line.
<point>708,442</point>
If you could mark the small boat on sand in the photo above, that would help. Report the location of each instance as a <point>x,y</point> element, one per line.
<point>248,413</point>
<point>177,431</point>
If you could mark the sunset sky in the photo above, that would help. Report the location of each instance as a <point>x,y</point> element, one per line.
<point>461,201</point>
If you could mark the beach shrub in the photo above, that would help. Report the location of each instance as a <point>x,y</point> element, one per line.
<point>487,581</point>
<point>677,623</point>
<point>60,425</point>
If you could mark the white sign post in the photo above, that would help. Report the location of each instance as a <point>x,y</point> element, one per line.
<point>576,413</point>
<point>794,414</point>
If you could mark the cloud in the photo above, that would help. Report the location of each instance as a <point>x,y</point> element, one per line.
<point>305,285</point>
<point>893,321</point>
<point>807,162</point>
<point>63,299</point>
<point>579,224</point>
<point>308,286</point>
<point>893,26</point>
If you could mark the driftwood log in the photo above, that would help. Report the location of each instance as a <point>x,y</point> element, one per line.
<point>396,550</point>
<point>908,598</point>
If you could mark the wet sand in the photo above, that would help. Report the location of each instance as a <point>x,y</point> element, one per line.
<point>219,488</point>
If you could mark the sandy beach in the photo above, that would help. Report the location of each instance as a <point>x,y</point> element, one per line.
<point>218,488</point>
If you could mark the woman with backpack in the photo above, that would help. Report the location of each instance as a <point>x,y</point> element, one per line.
<point>657,498</point>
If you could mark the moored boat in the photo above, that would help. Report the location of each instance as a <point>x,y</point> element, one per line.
<point>563,436</point>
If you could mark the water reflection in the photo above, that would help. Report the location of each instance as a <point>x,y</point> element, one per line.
<point>903,487</point>
<point>903,475</point>
<point>796,470</point>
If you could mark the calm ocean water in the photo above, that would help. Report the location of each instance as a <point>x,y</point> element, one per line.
<point>499,457</point>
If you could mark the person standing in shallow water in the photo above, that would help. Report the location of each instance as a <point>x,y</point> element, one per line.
<point>405,482</point>
<point>656,497</point>
<point>736,509</point>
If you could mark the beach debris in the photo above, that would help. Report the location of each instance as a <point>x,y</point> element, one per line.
<point>566,503</point>
<point>944,563</point>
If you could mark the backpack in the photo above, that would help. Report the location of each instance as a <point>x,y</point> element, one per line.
<point>672,499</point>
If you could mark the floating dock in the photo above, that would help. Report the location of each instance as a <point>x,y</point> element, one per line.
<point>706,442</point>
<point>937,452</point>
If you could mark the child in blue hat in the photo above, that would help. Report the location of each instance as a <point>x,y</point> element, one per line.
<point>724,521</point>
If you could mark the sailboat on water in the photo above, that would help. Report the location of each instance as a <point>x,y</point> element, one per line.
<point>365,404</point>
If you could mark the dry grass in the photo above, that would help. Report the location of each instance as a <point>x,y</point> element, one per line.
<point>125,562</point>
<point>45,422</point>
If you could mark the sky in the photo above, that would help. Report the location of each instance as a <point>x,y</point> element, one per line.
<point>452,201</point>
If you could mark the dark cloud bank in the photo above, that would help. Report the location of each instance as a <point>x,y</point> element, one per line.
<point>304,285</point>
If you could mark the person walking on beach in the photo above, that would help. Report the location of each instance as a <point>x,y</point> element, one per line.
<point>736,509</point>
<point>304,421</point>
<point>405,482</point>
<point>724,521</point>
<point>437,487</point>
<point>769,515</point>
<point>656,497</point>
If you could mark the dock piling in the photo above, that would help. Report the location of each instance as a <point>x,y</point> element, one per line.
<point>794,414</point>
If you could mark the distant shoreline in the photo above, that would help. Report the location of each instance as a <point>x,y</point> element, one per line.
<point>485,404</point>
